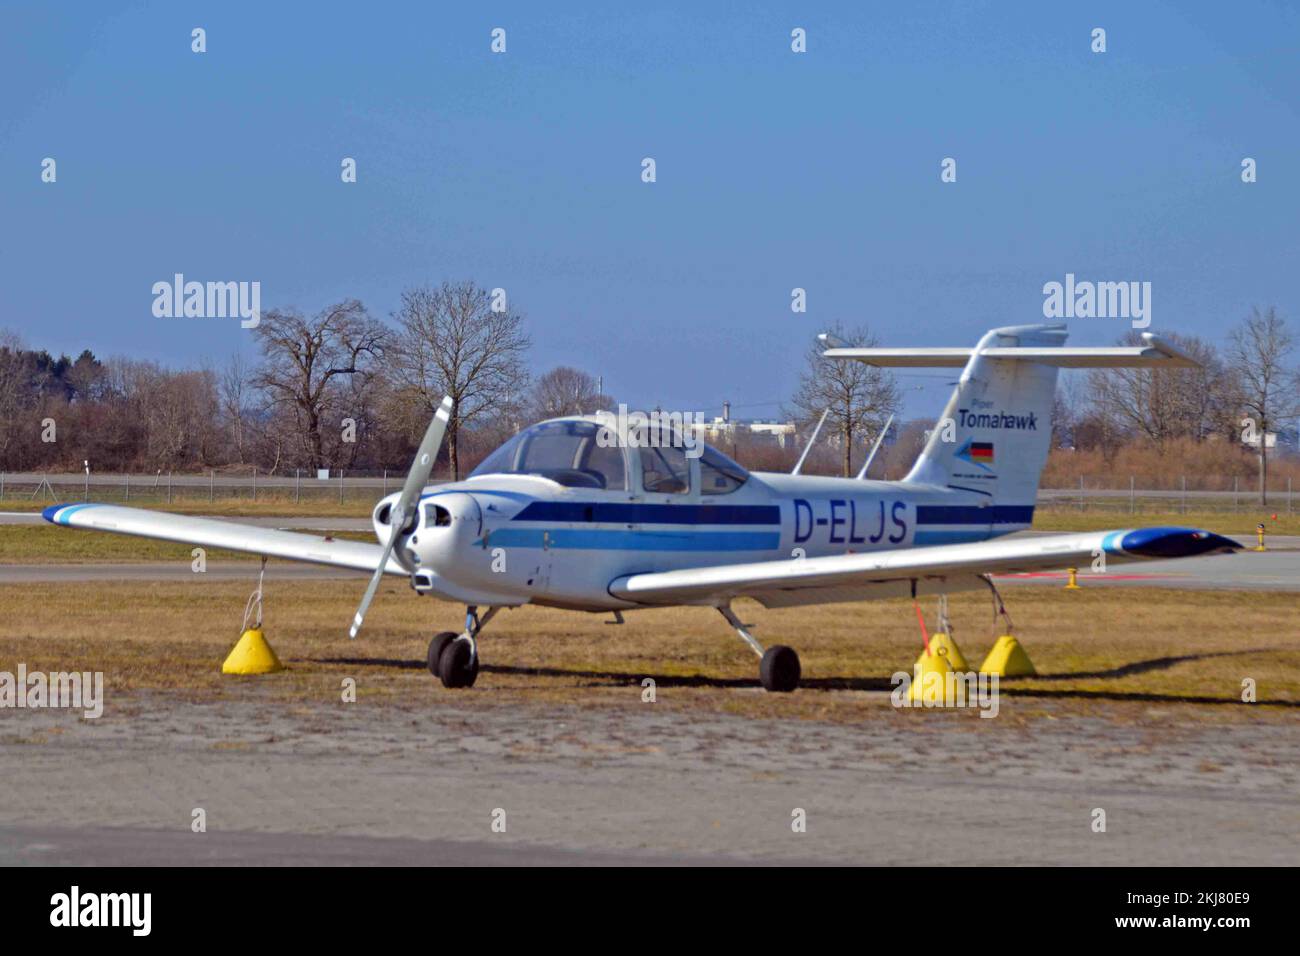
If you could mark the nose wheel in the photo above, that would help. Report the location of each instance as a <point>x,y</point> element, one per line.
<point>458,664</point>
<point>779,669</point>
<point>453,658</point>
<point>436,647</point>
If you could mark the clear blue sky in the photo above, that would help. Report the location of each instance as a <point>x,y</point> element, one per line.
<point>775,170</point>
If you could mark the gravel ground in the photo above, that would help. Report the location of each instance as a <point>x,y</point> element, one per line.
<point>380,782</point>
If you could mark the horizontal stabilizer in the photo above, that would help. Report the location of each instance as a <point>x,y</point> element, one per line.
<point>1156,353</point>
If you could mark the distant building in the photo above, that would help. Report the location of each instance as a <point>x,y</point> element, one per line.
<point>723,429</point>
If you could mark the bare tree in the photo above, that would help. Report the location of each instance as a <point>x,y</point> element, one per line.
<point>453,343</point>
<point>860,397</point>
<point>1259,359</point>
<point>235,385</point>
<point>181,413</point>
<point>13,392</point>
<point>1163,404</point>
<point>125,432</point>
<point>309,365</point>
<point>567,391</point>
<point>1067,411</point>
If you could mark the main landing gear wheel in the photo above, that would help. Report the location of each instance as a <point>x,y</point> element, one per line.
<point>780,670</point>
<point>436,647</point>
<point>458,664</point>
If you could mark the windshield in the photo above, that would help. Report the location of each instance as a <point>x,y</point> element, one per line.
<point>564,451</point>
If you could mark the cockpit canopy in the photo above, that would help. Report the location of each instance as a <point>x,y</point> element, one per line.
<point>581,453</point>
<point>567,451</point>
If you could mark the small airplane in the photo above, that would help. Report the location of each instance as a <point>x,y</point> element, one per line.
<point>584,514</point>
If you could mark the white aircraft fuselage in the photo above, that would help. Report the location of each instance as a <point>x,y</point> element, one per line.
<point>509,539</point>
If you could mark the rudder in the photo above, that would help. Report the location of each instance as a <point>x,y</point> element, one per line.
<point>996,430</point>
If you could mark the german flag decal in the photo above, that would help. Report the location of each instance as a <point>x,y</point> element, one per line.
<point>977,453</point>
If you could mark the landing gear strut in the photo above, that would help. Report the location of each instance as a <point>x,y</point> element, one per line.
<point>778,670</point>
<point>453,658</point>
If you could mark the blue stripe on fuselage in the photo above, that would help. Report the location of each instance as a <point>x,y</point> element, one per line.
<point>611,512</point>
<point>599,539</point>
<point>972,514</point>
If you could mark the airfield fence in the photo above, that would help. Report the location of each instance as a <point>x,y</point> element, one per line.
<point>355,491</point>
<point>1202,494</point>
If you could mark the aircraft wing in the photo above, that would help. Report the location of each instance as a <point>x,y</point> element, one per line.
<point>942,568</point>
<point>209,533</point>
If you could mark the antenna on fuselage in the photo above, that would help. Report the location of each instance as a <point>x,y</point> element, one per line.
<point>875,448</point>
<point>811,441</point>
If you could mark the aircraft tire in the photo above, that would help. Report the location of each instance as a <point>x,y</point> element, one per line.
<point>455,668</point>
<point>780,671</point>
<point>436,647</point>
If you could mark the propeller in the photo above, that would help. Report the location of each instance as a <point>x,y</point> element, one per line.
<point>409,500</point>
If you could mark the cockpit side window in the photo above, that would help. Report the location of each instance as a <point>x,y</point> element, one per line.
<point>665,468</point>
<point>719,475</point>
<point>607,463</point>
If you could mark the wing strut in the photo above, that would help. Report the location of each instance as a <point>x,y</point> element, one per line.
<point>875,448</point>
<point>811,441</point>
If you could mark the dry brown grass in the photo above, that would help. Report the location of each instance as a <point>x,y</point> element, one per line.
<point>1211,465</point>
<point>1109,652</point>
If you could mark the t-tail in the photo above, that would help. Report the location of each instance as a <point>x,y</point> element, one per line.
<point>996,430</point>
<point>995,433</point>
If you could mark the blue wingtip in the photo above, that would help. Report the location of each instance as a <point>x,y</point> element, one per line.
<point>1175,542</point>
<point>53,512</point>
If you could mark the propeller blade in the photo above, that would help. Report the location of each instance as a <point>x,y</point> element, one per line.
<point>372,587</point>
<point>416,479</point>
